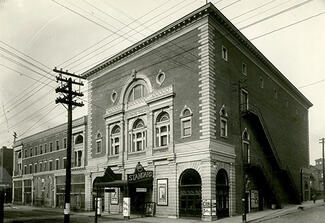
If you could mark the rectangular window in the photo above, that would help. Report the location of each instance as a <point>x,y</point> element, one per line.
<point>30,168</point>
<point>187,127</point>
<point>57,145</point>
<point>56,164</point>
<point>31,152</point>
<point>79,158</point>
<point>50,165</point>
<point>99,146</point>
<point>244,99</point>
<point>64,160</point>
<point>261,82</point>
<point>35,152</point>
<point>65,143</point>
<point>26,153</point>
<point>40,167</point>
<point>51,147</point>
<point>45,148</point>
<point>45,166</point>
<point>35,168</point>
<point>223,127</point>
<point>25,169</point>
<point>224,53</point>
<point>244,69</point>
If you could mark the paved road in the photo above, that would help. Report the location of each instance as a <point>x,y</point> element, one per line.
<point>310,215</point>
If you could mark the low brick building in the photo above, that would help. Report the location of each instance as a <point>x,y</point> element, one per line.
<point>203,110</point>
<point>39,167</point>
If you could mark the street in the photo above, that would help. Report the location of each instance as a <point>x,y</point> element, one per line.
<point>23,214</point>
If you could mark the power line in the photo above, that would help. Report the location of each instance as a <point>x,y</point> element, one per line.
<point>311,84</point>
<point>249,11</point>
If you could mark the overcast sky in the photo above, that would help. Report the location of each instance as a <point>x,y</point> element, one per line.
<point>37,35</point>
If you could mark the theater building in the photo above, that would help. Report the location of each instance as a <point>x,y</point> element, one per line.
<point>194,118</point>
<point>39,167</point>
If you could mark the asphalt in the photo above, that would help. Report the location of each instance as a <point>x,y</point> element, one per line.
<point>254,217</point>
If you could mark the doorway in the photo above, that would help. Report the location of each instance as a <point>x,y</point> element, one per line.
<point>222,194</point>
<point>190,194</point>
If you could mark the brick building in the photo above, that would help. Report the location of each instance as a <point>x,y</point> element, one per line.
<point>6,172</point>
<point>39,167</point>
<point>195,118</point>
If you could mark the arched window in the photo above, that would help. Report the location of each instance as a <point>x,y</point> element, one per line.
<point>115,140</point>
<point>186,122</point>
<point>223,122</point>
<point>246,147</point>
<point>98,143</point>
<point>138,91</point>
<point>162,129</point>
<point>79,139</point>
<point>138,136</point>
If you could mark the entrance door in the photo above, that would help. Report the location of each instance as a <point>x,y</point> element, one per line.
<point>137,201</point>
<point>190,194</point>
<point>222,194</point>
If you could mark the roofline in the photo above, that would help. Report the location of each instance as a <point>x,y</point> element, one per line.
<point>209,9</point>
<point>19,142</point>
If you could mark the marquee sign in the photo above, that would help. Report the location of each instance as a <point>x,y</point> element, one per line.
<point>140,174</point>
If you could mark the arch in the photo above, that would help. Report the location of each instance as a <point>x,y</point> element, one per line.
<point>223,111</point>
<point>186,111</point>
<point>138,124</point>
<point>222,194</point>
<point>162,117</point>
<point>190,193</point>
<point>245,135</point>
<point>116,129</point>
<point>130,83</point>
<point>79,139</point>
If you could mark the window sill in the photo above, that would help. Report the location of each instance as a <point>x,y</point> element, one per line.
<point>113,156</point>
<point>137,152</point>
<point>224,137</point>
<point>184,137</point>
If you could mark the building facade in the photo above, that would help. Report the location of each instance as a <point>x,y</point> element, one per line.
<point>203,110</point>
<point>39,167</point>
<point>6,164</point>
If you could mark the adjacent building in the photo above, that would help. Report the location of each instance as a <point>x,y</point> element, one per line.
<point>194,119</point>
<point>6,164</point>
<point>39,167</point>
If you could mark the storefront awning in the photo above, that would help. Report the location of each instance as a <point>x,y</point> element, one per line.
<point>115,183</point>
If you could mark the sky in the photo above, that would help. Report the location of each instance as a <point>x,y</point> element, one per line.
<point>38,35</point>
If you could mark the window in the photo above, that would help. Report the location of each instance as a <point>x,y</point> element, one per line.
<point>45,166</point>
<point>244,99</point>
<point>30,168</point>
<point>57,145</point>
<point>138,136</point>
<point>246,147</point>
<point>45,148</point>
<point>35,168</point>
<point>186,122</point>
<point>99,143</point>
<point>19,155</point>
<point>40,167</point>
<point>35,150</point>
<point>223,122</point>
<point>26,153</point>
<point>41,149</point>
<point>31,152</point>
<point>25,169</point>
<point>275,92</point>
<point>138,91</point>
<point>50,165</point>
<point>244,69</point>
<point>224,53</point>
<point>51,147</point>
<point>64,143</point>
<point>64,160</point>
<point>261,82</point>
<point>162,129</point>
<point>78,158</point>
<point>79,139</point>
<point>57,164</point>
<point>115,140</point>
<point>19,168</point>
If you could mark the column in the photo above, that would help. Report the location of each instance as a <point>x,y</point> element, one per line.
<point>88,192</point>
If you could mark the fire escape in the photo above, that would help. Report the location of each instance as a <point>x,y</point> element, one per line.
<point>256,166</point>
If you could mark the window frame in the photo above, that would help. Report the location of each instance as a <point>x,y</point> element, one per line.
<point>184,118</point>
<point>244,68</point>
<point>113,136</point>
<point>246,142</point>
<point>224,53</point>
<point>158,127</point>
<point>223,116</point>
<point>57,145</point>
<point>99,141</point>
<point>134,139</point>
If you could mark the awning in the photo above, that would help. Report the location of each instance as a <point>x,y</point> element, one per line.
<point>115,183</point>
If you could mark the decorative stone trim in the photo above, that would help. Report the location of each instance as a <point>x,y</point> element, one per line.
<point>160,77</point>
<point>207,92</point>
<point>113,96</point>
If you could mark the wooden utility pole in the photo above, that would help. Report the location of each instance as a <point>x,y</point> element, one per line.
<point>322,141</point>
<point>66,89</point>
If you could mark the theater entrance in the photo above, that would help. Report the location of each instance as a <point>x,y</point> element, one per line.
<point>190,194</point>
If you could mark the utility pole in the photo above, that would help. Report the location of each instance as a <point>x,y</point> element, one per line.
<point>322,141</point>
<point>66,88</point>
